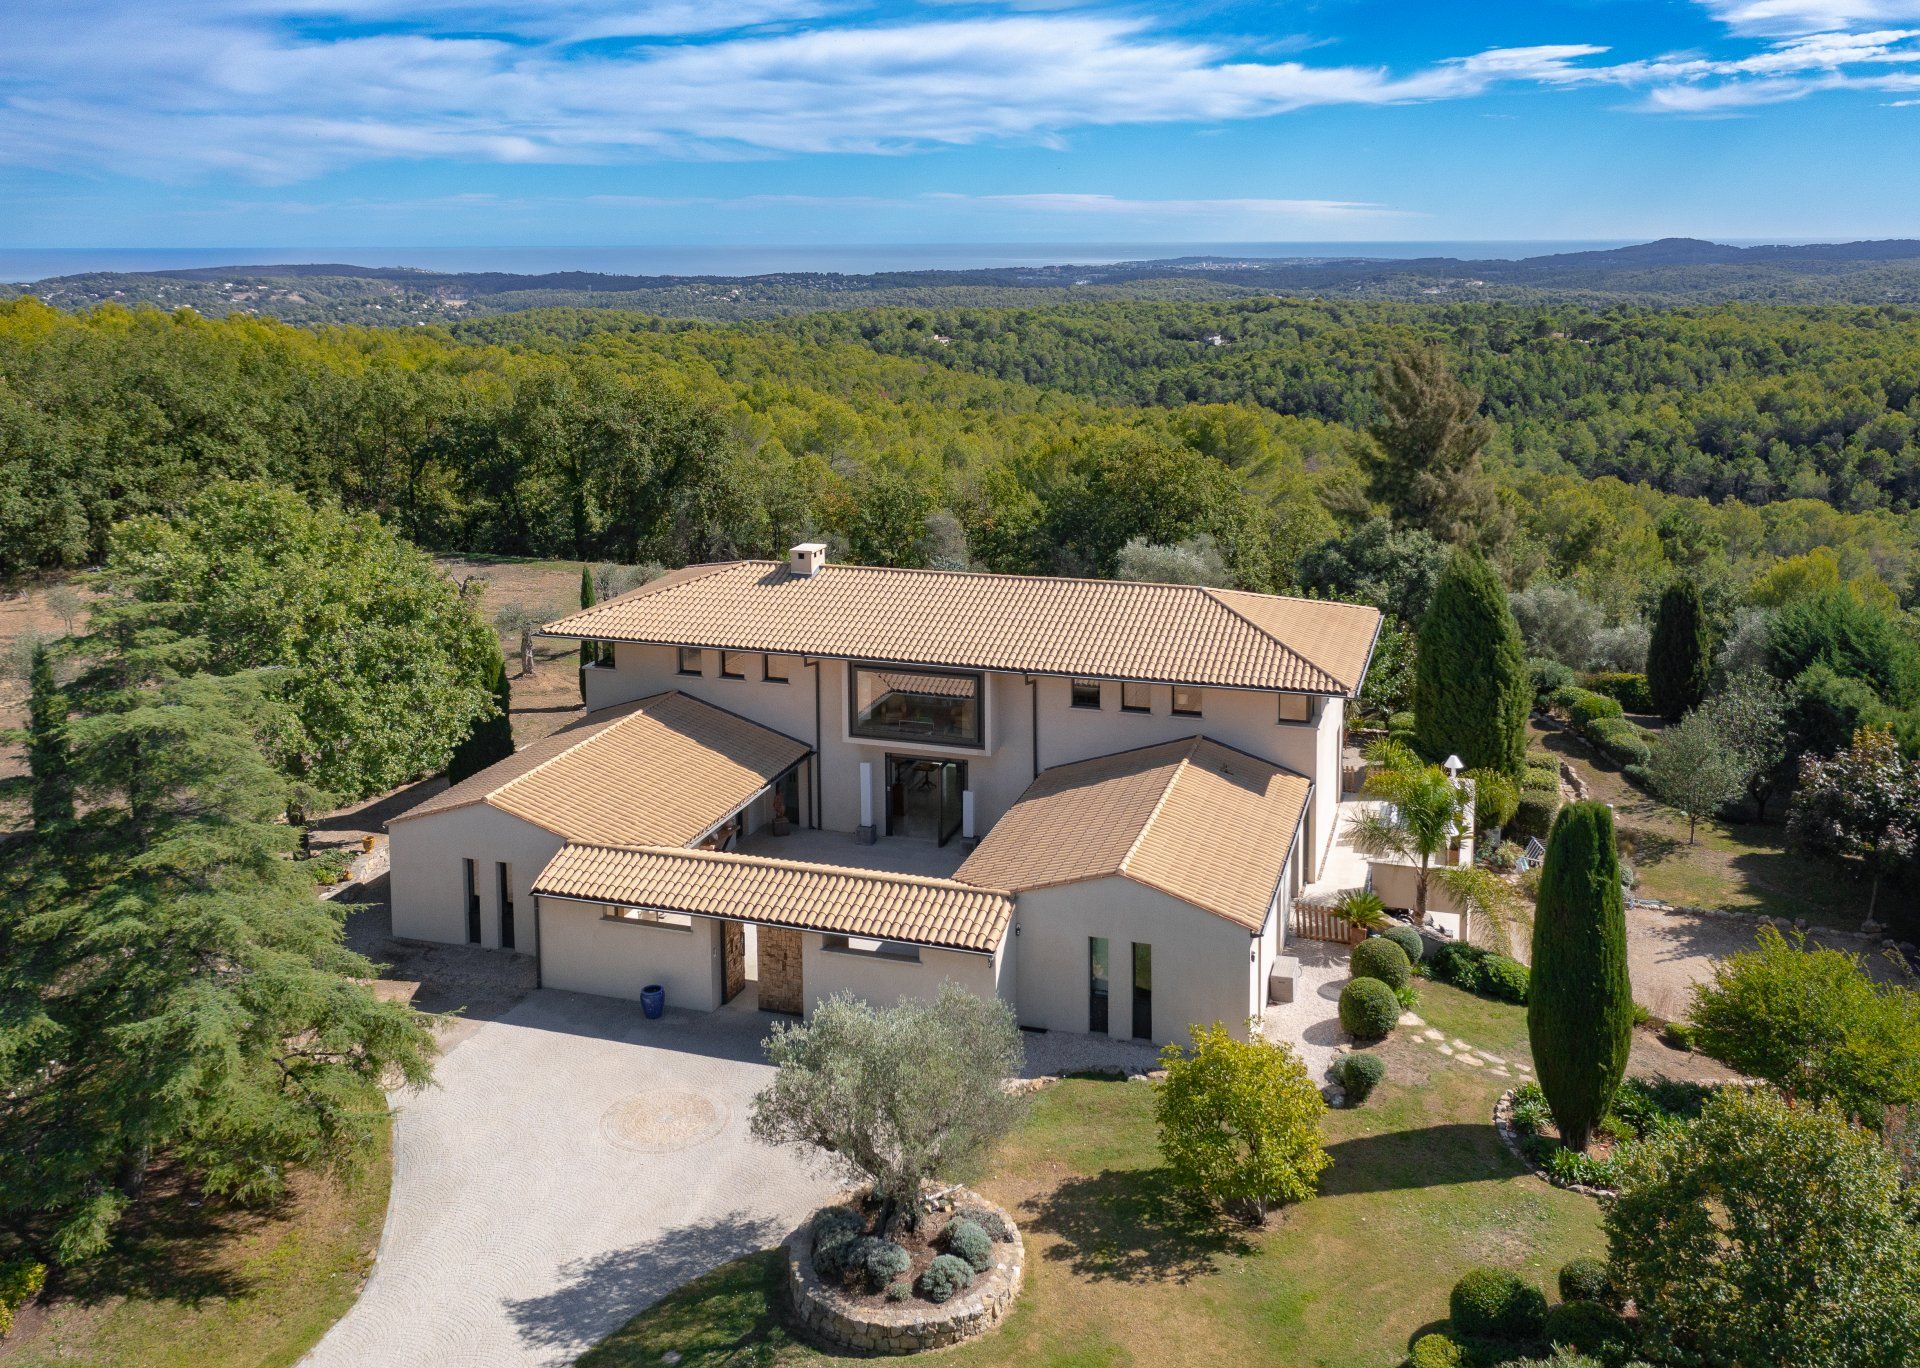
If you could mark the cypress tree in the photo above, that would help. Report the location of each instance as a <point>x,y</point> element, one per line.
<point>1580,1002</point>
<point>1471,688</point>
<point>589,651</point>
<point>51,796</point>
<point>491,738</point>
<point>1680,655</point>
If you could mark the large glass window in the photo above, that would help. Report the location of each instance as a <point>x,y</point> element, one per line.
<point>900,704</point>
<point>1099,984</point>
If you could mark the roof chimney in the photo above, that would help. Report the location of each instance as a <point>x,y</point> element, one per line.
<point>806,559</point>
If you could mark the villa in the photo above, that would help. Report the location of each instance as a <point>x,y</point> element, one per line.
<point>1094,799</point>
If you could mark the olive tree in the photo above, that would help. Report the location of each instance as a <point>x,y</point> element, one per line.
<point>897,1096</point>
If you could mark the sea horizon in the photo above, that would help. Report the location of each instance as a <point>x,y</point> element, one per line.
<point>24,265</point>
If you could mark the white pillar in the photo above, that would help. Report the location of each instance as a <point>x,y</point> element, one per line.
<point>866,832</point>
<point>966,815</point>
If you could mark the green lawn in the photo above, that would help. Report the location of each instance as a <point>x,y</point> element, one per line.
<point>1120,1271</point>
<point>1732,866</point>
<point>194,1287</point>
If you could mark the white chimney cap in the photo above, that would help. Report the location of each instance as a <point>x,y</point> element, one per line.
<point>807,558</point>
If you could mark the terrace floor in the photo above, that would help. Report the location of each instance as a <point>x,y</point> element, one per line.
<point>889,854</point>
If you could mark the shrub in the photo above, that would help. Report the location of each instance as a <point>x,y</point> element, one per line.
<point>945,1276</point>
<point>1678,1034</point>
<point>1623,742</point>
<point>1495,796</point>
<point>1539,805</point>
<point>1400,725</point>
<point>1540,767</point>
<point>1239,1120</point>
<point>1359,1074</point>
<point>1626,687</point>
<point>1408,939</point>
<point>971,1243</point>
<point>988,1220</point>
<point>1590,1328</point>
<point>899,1291</point>
<point>833,1230</point>
<point>1368,1008</point>
<point>1380,958</point>
<point>1584,707</point>
<point>1506,979</point>
<point>1506,855</point>
<point>1436,1351</point>
<point>20,1283</point>
<point>852,1259</point>
<point>1549,677</point>
<point>884,1263</point>
<point>1586,1280</point>
<point>1493,1303</point>
<point>1530,1111</point>
<point>1575,1168</point>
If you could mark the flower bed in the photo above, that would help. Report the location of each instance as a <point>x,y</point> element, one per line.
<point>940,1296</point>
<point>1640,1110</point>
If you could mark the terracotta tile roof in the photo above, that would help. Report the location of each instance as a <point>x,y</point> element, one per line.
<point>830,898</point>
<point>1197,820</point>
<point>659,771</point>
<point>1110,629</point>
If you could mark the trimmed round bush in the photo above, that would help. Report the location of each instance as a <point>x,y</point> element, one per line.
<point>833,1230</point>
<point>1408,940</point>
<point>1359,1074</point>
<point>853,1258</point>
<point>1591,1328</point>
<point>1377,957</point>
<point>1436,1351</point>
<point>945,1276</point>
<point>885,1262</point>
<point>899,1291</point>
<point>1493,1303</point>
<point>1586,1280</point>
<point>1368,1008</point>
<point>988,1220</point>
<point>971,1243</point>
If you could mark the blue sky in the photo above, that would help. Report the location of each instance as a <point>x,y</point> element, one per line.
<point>361,123</point>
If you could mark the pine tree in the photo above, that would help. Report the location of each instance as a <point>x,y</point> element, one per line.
<point>1680,655</point>
<point>1425,464</point>
<point>1580,1002</point>
<point>1471,688</point>
<point>491,738</point>
<point>589,651</point>
<point>47,758</point>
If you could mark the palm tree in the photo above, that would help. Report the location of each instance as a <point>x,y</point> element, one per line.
<point>1427,811</point>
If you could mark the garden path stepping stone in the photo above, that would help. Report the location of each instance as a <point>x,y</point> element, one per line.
<point>1432,1034</point>
<point>1468,1059</point>
<point>1409,1019</point>
<point>1460,1044</point>
<point>1444,1048</point>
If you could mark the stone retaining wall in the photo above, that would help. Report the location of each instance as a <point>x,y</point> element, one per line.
<point>913,1325</point>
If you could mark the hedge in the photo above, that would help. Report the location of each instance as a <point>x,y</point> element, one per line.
<point>1627,687</point>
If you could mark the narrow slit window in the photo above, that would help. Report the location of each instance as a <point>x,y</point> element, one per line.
<point>1136,698</point>
<point>691,660</point>
<point>733,664</point>
<point>773,669</point>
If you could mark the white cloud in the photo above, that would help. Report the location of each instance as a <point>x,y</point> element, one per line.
<point>1776,17</point>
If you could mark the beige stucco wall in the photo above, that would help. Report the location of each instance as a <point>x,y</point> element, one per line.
<point>884,982</point>
<point>1205,968</point>
<point>588,953</point>
<point>427,884</point>
<point>1000,773</point>
<point>1398,887</point>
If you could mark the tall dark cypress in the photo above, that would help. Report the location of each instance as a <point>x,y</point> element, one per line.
<point>48,763</point>
<point>492,736</point>
<point>1580,1001</point>
<point>1680,655</point>
<point>1471,688</point>
<point>589,651</point>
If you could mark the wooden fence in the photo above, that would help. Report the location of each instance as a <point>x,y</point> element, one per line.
<point>1311,921</point>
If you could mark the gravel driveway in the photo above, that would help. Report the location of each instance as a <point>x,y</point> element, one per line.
<point>574,1163</point>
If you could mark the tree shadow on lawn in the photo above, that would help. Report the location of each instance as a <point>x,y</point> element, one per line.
<point>1132,1226</point>
<point>1432,1156</point>
<point>598,1294</point>
<point>173,1245</point>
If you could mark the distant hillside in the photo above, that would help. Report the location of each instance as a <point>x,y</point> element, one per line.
<point>1670,271</point>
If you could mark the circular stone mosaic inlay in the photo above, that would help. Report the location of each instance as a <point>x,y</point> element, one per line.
<point>664,1120</point>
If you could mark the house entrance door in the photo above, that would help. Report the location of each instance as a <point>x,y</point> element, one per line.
<point>780,986</point>
<point>923,797</point>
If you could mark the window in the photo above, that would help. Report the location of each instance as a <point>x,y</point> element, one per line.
<point>1098,982</point>
<point>647,916</point>
<point>875,949</point>
<point>733,664</point>
<point>773,669</point>
<point>1136,698</point>
<point>1296,708</point>
<point>503,878</point>
<point>473,905</point>
<point>692,660</point>
<point>1086,694</point>
<point>932,707</point>
<point>1186,701</point>
<point>1142,991</point>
